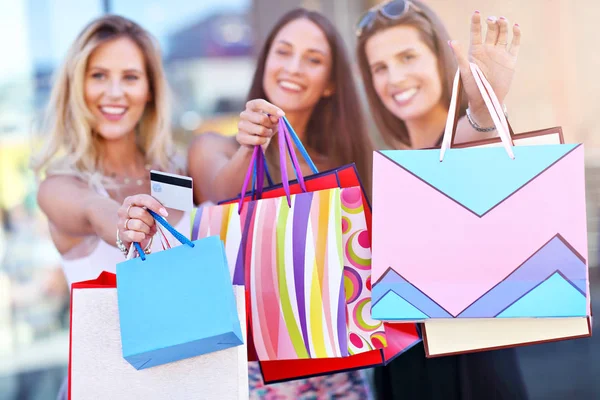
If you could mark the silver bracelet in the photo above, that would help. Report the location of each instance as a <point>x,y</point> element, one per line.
<point>125,251</point>
<point>476,126</point>
<point>121,245</point>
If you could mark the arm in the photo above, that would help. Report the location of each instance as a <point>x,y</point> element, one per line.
<point>218,165</point>
<point>466,133</point>
<point>74,209</point>
<point>497,59</point>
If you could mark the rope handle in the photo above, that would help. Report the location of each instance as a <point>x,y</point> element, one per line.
<point>258,164</point>
<point>182,239</point>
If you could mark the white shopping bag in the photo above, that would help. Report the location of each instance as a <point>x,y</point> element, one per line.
<point>97,369</point>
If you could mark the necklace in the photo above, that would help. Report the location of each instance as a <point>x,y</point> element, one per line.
<point>126,180</point>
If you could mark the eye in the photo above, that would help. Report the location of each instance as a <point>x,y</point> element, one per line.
<point>131,77</point>
<point>283,52</point>
<point>98,75</point>
<point>377,69</point>
<point>408,57</point>
<point>314,60</point>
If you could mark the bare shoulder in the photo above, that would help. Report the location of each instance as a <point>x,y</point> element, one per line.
<point>212,143</point>
<point>207,154</point>
<point>73,180</point>
<point>61,198</point>
<point>57,186</point>
<point>60,193</point>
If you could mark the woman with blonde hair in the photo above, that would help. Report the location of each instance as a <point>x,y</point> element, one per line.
<point>108,125</point>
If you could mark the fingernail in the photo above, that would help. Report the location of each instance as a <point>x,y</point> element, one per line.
<point>163,212</point>
<point>516,24</point>
<point>476,11</point>
<point>281,113</point>
<point>492,19</point>
<point>502,18</point>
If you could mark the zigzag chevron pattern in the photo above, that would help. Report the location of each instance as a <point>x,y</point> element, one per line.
<point>554,266</point>
<point>555,297</point>
<point>392,282</point>
<point>451,253</point>
<point>457,179</point>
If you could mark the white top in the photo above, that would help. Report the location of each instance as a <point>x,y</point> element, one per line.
<point>92,256</point>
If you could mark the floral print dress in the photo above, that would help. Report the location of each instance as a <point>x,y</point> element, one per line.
<point>345,385</point>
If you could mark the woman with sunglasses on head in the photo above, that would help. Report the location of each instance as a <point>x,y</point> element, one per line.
<point>303,73</point>
<point>108,125</point>
<point>407,63</point>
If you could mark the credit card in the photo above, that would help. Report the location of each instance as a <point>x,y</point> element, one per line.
<point>173,191</point>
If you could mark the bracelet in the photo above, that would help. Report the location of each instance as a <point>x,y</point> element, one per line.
<point>476,126</point>
<point>121,245</point>
<point>124,249</point>
<point>147,250</point>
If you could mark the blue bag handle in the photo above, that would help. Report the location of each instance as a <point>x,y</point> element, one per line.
<point>182,239</point>
<point>258,167</point>
<point>300,146</point>
<point>289,131</point>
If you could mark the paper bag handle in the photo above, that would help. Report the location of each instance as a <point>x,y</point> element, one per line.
<point>285,142</point>
<point>257,179</point>
<point>292,133</point>
<point>182,239</point>
<point>265,172</point>
<point>255,190</point>
<point>492,104</point>
<point>286,135</point>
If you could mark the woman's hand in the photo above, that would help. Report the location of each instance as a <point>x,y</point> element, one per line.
<point>495,56</point>
<point>255,126</point>
<point>136,224</point>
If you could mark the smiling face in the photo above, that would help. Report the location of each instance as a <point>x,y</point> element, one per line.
<point>298,67</point>
<point>117,88</point>
<point>404,72</point>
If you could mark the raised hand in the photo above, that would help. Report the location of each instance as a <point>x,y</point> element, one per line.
<point>495,56</point>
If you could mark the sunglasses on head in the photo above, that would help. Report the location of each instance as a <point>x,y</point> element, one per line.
<point>393,9</point>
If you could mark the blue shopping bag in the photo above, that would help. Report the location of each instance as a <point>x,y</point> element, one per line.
<point>178,303</point>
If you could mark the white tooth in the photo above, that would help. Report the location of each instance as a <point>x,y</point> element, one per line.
<point>407,94</point>
<point>114,110</point>
<point>290,85</point>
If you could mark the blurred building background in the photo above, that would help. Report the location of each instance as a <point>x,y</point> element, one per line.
<point>209,48</point>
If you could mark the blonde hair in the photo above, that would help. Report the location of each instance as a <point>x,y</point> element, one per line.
<point>71,148</point>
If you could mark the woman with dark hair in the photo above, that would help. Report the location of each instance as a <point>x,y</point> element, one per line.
<point>407,62</point>
<point>303,73</point>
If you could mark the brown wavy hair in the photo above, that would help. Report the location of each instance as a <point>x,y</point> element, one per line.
<point>435,36</point>
<point>336,129</point>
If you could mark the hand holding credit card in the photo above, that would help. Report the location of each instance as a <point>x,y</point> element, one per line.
<point>173,191</point>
